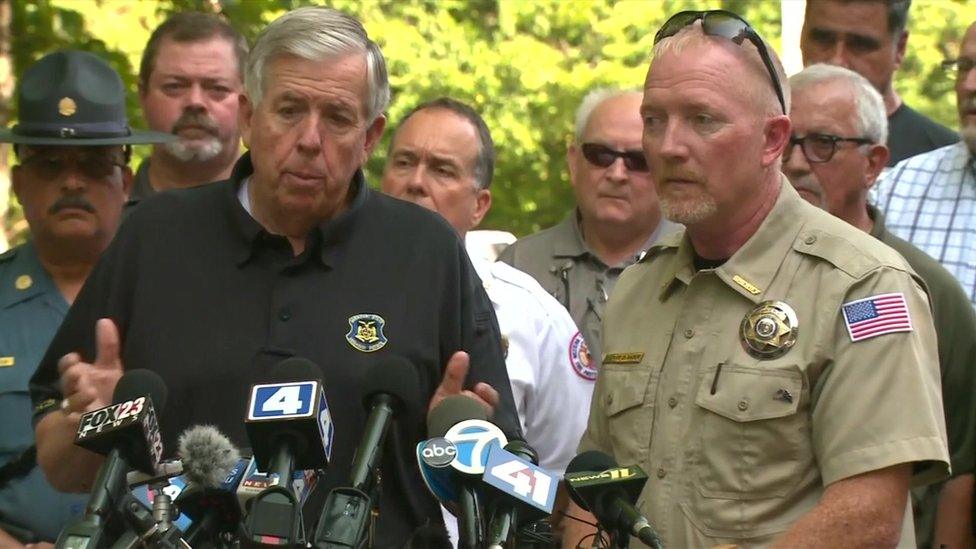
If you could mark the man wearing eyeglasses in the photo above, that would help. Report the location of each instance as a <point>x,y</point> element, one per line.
<point>835,155</point>
<point>617,216</point>
<point>929,200</point>
<point>772,368</point>
<point>72,144</point>
<point>870,38</point>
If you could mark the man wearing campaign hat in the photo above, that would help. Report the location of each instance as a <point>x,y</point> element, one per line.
<point>72,179</point>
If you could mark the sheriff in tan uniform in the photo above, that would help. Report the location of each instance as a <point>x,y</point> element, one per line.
<point>744,390</point>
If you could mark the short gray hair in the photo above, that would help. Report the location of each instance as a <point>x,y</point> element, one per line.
<point>872,117</point>
<point>315,33</point>
<point>590,102</point>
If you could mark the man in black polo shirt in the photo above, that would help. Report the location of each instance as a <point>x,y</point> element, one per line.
<point>212,286</point>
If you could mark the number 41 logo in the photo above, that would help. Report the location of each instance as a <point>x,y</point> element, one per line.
<point>519,478</point>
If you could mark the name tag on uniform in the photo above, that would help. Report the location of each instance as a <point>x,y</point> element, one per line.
<point>623,358</point>
<point>6,361</point>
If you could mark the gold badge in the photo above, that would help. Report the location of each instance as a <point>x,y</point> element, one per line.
<point>748,286</point>
<point>23,282</point>
<point>6,361</point>
<point>366,332</point>
<point>769,330</point>
<point>67,106</point>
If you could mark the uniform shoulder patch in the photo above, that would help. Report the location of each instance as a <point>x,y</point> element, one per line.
<point>877,315</point>
<point>580,359</point>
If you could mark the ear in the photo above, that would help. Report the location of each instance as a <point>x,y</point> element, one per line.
<point>482,205</point>
<point>245,113</point>
<point>373,135</point>
<point>877,158</point>
<point>900,47</point>
<point>572,156</point>
<point>127,179</point>
<point>777,135</point>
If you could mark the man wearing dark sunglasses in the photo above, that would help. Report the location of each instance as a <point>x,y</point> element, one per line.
<point>835,174</point>
<point>870,37</point>
<point>772,368</point>
<point>72,145</point>
<point>616,218</point>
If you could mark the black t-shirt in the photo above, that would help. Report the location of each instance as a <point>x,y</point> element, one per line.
<point>910,133</point>
<point>207,298</point>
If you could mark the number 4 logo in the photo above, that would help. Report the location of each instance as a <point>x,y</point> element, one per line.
<point>286,401</point>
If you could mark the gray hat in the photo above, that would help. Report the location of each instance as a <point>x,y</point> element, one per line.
<point>74,98</point>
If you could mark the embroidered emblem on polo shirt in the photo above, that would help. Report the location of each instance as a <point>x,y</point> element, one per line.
<point>579,358</point>
<point>6,361</point>
<point>23,282</point>
<point>366,332</point>
<point>769,330</point>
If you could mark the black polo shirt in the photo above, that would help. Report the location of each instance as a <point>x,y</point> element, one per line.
<point>207,298</point>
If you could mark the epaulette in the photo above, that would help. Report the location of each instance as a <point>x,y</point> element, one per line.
<point>668,242</point>
<point>9,254</point>
<point>840,252</point>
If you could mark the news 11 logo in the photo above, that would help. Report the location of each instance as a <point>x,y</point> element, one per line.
<point>521,479</point>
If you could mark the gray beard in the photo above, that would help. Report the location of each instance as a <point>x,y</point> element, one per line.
<point>196,150</point>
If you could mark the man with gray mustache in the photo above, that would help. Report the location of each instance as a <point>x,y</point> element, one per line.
<point>189,84</point>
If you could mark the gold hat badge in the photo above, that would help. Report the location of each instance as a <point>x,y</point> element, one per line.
<point>67,106</point>
<point>769,330</point>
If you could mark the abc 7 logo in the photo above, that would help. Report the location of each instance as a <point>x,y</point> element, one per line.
<point>438,452</point>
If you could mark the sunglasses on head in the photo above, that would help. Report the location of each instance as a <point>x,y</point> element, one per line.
<point>604,157</point>
<point>727,25</point>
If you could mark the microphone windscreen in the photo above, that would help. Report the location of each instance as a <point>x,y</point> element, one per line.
<point>451,411</point>
<point>396,377</point>
<point>136,383</point>
<point>208,456</point>
<point>295,369</point>
<point>522,449</point>
<point>591,461</point>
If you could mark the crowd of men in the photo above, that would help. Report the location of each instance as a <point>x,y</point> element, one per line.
<point>764,296</point>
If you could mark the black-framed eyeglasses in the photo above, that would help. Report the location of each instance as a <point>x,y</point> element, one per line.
<point>727,25</point>
<point>604,157</point>
<point>960,66</point>
<point>820,147</point>
<point>52,167</point>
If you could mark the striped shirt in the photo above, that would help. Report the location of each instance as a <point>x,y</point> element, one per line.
<point>930,201</point>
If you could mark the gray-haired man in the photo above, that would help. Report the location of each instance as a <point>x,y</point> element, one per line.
<point>616,217</point>
<point>213,286</point>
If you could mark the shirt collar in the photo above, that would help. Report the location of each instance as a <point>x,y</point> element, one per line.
<point>569,241</point>
<point>27,264</point>
<point>752,267</point>
<point>331,233</point>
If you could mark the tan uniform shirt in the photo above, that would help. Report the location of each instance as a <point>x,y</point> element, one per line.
<point>737,447</point>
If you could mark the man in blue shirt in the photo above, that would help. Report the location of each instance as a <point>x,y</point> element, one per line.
<point>72,178</point>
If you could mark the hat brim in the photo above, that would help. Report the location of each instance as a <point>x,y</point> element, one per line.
<point>137,137</point>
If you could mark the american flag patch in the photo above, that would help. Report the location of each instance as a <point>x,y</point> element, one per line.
<point>877,315</point>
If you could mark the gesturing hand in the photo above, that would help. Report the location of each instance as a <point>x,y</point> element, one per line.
<point>453,384</point>
<point>88,387</point>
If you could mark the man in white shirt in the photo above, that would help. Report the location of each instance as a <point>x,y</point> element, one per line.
<point>442,157</point>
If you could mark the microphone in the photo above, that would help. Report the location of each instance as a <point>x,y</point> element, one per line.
<point>212,469</point>
<point>460,428</point>
<point>127,433</point>
<point>597,484</point>
<point>524,493</point>
<point>289,427</point>
<point>391,389</point>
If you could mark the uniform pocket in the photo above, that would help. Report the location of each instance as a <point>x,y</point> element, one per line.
<point>752,432</point>
<point>629,413</point>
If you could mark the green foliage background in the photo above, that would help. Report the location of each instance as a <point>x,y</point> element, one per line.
<point>524,64</point>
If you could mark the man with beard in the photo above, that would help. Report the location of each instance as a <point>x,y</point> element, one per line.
<point>72,182</point>
<point>834,157</point>
<point>929,200</point>
<point>190,79</point>
<point>772,368</point>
